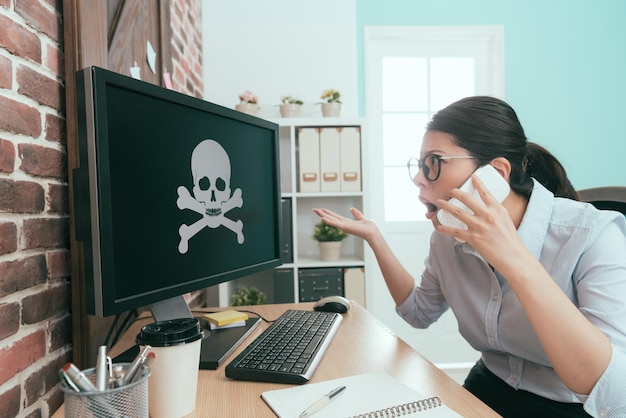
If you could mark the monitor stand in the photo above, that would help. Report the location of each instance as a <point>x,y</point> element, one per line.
<point>217,345</point>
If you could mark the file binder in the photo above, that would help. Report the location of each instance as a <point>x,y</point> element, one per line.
<point>309,160</point>
<point>330,159</point>
<point>350,159</point>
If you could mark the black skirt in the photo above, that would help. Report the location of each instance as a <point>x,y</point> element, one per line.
<point>513,403</point>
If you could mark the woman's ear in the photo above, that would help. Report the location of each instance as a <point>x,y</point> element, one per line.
<point>502,166</point>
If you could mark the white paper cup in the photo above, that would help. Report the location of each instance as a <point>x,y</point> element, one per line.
<point>174,379</point>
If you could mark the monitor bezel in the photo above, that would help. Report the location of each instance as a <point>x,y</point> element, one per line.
<point>90,183</point>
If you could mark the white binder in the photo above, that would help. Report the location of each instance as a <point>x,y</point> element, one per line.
<point>308,160</point>
<point>354,284</point>
<point>330,159</point>
<point>350,174</point>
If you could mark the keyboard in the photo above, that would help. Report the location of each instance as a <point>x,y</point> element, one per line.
<point>289,350</point>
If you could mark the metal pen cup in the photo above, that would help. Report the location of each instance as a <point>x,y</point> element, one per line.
<point>121,402</point>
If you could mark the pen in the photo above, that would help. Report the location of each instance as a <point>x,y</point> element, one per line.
<point>145,365</point>
<point>135,365</point>
<point>325,400</point>
<point>101,368</point>
<point>73,373</point>
<point>68,382</point>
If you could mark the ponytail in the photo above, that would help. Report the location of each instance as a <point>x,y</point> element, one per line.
<point>543,166</point>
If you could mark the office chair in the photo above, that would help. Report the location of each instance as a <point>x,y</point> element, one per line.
<point>613,198</point>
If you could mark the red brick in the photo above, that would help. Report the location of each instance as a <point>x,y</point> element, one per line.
<point>58,263</point>
<point>6,73</point>
<point>54,60</point>
<point>58,198</point>
<point>40,18</point>
<point>35,414</point>
<point>46,304</point>
<point>7,156</point>
<point>8,237</point>
<point>55,129</point>
<point>9,319</point>
<point>18,40</point>
<point>45,233</point>
<point>16,275</point>
<point>60,332</point>
<point>21,196</point>
<point>19,118</point>
<point>21,354</point>
<point>10,402</point>
<point>39,87</point>
<point>42,380</point>
<point>42,161</point>
<point>55,399</point>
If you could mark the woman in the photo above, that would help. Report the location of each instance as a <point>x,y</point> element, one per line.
<point>536,282</point>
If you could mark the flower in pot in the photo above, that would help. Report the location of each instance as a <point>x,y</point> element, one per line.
<point>248,103</point>
<point>329,238</point>
<point>332,105</point>
<point>290,106</point>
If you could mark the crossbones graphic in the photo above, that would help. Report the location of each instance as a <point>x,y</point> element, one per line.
<point>210,169</point>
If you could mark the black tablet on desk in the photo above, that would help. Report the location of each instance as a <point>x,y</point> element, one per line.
<point>222,342</point>
<point>216,346</point>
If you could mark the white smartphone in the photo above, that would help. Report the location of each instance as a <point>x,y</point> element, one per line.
<point>494,182</point>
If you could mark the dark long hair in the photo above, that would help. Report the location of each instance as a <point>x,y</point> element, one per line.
<point>488,128</point>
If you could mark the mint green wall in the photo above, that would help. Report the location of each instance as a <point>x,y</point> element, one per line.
<point>565,71</point>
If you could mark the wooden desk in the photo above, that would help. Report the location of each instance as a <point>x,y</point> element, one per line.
<point>361,345</point>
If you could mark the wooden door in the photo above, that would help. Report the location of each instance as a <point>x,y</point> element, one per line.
<point>112,35</point>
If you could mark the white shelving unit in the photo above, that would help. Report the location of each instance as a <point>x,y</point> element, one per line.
<point>305,249</point>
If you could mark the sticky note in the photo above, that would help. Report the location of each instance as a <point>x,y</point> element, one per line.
<point>225,317</point>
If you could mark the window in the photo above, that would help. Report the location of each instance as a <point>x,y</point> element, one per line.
<point>415,72</point>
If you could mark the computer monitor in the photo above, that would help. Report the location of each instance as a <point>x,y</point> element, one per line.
<point>172,194</point>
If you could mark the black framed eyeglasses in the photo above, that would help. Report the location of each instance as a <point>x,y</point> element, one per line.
<point>431,164</point>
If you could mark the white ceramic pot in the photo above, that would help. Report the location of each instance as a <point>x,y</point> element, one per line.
<point>290,110</point>
<point>249,108</point>
<point>332,110</point>
<point>330,251</point>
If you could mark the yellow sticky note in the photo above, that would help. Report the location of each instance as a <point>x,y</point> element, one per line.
<point>225,317</point>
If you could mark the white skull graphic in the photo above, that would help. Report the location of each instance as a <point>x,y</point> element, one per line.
<point>210,169</point>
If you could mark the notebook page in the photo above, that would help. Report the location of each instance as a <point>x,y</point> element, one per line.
<point>364,394</point>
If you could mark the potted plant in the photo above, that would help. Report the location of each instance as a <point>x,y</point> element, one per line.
<point>248,103</point>
<point>248,296</point>
<point>290,106</point>
<point>329,239</point>
<point>332,105</point>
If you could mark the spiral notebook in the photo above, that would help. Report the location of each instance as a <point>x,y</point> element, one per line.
<point>366,395</point>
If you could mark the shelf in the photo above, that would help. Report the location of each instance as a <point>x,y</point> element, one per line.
<point>318,195</point>
<point>347,170</point>
<point>305,262</point>
<point>317,121</point>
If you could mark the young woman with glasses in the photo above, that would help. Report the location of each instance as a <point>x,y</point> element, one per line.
<point>538,286</point>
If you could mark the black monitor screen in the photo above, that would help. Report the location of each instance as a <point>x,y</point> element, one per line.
<point>182,194</point>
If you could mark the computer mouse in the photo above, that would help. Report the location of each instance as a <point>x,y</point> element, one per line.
<point>337,304</point>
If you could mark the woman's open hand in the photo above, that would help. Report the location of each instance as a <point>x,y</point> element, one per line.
<point>360,226</point>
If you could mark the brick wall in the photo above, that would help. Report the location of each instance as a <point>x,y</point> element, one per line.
<point>35,322</point>
<point>186,24</point>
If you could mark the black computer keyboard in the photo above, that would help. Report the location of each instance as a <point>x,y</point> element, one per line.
<point>289,350</point>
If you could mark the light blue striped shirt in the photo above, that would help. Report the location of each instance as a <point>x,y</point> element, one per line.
<point>583,250</point>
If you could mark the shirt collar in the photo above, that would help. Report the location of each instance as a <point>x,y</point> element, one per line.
<point>534,225</point>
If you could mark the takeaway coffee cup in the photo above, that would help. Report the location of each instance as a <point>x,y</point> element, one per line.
<point>174,379</point>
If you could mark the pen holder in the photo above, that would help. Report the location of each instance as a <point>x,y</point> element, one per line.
<point>126,401</point>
